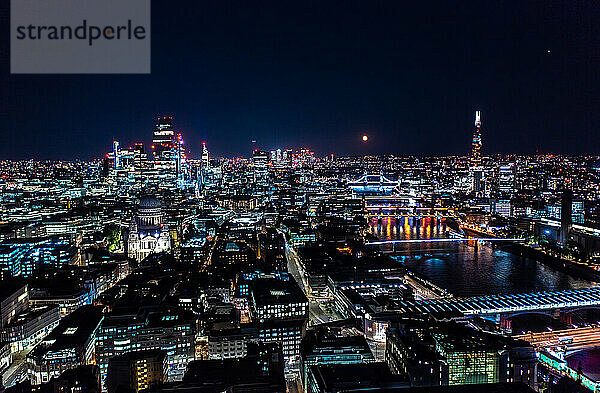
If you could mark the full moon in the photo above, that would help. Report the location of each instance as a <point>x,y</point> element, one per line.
<point>365,138</point>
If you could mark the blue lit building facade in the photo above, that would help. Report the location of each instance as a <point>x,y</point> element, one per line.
<point>24,257</point>
<point>172,332</point>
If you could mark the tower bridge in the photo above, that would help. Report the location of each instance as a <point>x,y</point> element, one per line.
<point>514,303</point>
<point>373,184</point>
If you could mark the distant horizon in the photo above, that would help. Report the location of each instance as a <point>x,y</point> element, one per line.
<point>320,156</point>
<point>409,75</point>
<point>356,135</point>
<point>147,141</point>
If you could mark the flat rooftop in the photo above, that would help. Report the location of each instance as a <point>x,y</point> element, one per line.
<point>267,291</point>
<point>72,331</point>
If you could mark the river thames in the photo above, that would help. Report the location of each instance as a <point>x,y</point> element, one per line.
<point>467,268</point>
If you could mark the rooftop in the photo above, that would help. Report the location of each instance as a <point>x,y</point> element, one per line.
<point>273,291</point>
<point>72,331</point>
<point>9,287</point>
<point>149,202</point>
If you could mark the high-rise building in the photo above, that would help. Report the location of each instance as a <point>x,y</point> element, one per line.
<point>287,155</point>
<point>476,169</point>
<point>503,207</point>
<point>506,177</point>
<point>179,155</point>
<point>116,155</point>
<point>260,160</point>
<point>205,156</point>
<point>281,310</point>
<point>566,214</point>
<point>577,212</point>
<point>476,145</point>
<point>163,138</point>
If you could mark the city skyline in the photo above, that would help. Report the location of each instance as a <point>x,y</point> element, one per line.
<point>147,269</point>
<point>475,153</point>
<point>300,197</point>
<point>411,81</point>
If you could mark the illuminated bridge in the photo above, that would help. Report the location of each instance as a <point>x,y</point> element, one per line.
<point>373,185</point>
<point>499,304</point>
<point>398,210</point>
<point>573,340</point>
<point>404,211</point>
<point>445,240</point>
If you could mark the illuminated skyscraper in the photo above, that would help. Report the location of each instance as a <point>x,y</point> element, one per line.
<point>116,155</point>
<point>476,169</point>
<point>180,156</point>
<point>163,138</point>
<point>566,215</point>
<point>506,177</point>
<point>205,156</point>
<point>260,160</point>
<point>476,146</point>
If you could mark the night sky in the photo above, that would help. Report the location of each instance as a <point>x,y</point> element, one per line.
<point>320,74</point>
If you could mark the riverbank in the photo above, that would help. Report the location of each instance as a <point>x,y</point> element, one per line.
<point>563,265</point>
<point>424,288</point>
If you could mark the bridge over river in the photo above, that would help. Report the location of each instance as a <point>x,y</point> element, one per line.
<point>513,303</point>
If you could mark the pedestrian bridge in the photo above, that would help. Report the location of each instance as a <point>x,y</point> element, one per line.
<point>500,304</point>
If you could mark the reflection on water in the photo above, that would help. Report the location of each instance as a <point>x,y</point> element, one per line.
<point>590,362</point>
<point>467,268</point>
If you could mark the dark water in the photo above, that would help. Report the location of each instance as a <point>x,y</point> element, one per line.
<point>468,268</point>
<point>590,363</point>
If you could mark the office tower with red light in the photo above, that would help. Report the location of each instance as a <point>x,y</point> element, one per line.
<point>163,138</point>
